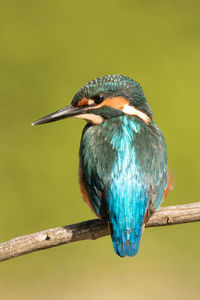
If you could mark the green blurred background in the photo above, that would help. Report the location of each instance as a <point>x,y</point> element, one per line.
<point>49,49</point>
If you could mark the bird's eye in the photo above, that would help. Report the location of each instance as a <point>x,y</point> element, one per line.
<point>98,99</point>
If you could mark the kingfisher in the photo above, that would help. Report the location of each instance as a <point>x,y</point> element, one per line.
<point>123,158</point>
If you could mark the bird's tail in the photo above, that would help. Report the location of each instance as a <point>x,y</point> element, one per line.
<point>126,242</point>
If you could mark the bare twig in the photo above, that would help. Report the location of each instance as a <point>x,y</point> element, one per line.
<point>92,229</point>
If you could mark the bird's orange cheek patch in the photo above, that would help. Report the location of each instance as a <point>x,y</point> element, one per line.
<point>117,103</point>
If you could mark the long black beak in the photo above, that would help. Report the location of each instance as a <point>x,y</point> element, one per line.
<point>66,112</point>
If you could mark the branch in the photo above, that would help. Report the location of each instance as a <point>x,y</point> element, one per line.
<point>91,230</point>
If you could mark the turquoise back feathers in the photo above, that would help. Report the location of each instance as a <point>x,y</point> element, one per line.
<point>124,167</point>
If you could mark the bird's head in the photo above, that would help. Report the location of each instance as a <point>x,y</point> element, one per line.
<point>103,98</point>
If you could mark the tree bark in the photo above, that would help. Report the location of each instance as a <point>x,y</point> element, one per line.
<point>92,229</point>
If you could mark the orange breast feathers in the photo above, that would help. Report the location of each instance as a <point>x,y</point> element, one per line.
<point>170,185</point>
<point>84,192</point>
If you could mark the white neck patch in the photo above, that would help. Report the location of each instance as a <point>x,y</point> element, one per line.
<point>92,118</point>
<point>132,111</point>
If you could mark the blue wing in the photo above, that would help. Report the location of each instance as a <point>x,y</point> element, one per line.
<point>125,172</point>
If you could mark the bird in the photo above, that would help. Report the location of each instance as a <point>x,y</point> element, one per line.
<point>123,173</point>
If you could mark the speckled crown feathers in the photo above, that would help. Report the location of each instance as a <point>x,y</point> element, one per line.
<point>112,85</point>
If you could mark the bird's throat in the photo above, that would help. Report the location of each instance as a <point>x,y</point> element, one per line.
<point>91,118</point>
